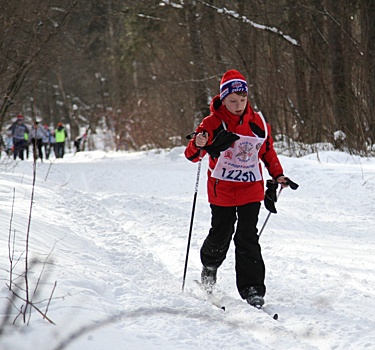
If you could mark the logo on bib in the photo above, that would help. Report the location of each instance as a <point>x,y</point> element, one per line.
<point>246,152</point>
<point>228,154</point>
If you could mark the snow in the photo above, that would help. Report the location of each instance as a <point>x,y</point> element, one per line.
<point>244,19</point>
<point>111,230</point>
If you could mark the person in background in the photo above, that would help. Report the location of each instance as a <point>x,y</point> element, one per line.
<point>79,142</point>
<point>47,141</point>
<point>20,134</point>
<point>236,138</point>
<point>27,144</point>
<point>2,145</point>
<point>60,137</point>
<point>53,144</point>
<point>37,134</point>
<point>9,143</point>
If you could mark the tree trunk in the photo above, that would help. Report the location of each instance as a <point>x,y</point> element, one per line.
<point>200,74</point>
<point>368,39</point>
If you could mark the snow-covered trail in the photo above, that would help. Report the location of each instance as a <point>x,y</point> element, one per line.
<point>143,233</point>
<point>118,226</point>
<point>324,247</point>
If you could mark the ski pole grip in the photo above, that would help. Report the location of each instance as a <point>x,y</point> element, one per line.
<point>191,135</point>
<point>291,184</point>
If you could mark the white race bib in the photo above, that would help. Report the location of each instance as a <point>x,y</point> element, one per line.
<point>240,163</point>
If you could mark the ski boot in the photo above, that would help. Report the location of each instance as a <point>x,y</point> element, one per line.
<point>208,278</point>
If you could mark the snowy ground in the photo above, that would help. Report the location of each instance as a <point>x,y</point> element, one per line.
<point>115,228</point>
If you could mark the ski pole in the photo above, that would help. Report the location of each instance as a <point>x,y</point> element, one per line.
<point>192,218</point>
<point>293,186</point>
<point>268,216</point>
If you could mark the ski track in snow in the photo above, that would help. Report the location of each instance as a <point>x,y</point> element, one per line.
<point>116,227</point>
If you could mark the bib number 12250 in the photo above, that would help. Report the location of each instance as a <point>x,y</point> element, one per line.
<point>238,175</point>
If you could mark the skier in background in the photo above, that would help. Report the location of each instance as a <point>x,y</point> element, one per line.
<point>47,141</point>
<point>37,134</point>
<point>9,143</point>
<point>60,137</point>
<point>2,145</point>
<point>20,134</point>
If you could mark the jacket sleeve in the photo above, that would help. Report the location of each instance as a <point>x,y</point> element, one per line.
<point>269,157</point>
<point>44,132</point>
<point>12,127</point>
<point>192,152</point>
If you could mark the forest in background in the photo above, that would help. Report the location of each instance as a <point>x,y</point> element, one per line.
<point>145,71</point>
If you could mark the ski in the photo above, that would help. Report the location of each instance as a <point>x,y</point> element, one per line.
<point>265,310</point>
<point>214,300</point>
<point>273,315</point>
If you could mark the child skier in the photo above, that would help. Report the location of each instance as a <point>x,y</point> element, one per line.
<point>236,139</point>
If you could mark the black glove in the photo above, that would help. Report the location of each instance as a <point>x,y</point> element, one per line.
<point>222,141</point>
<point>270,197</point>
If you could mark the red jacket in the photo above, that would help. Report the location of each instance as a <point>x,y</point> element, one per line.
<point>227,193</point>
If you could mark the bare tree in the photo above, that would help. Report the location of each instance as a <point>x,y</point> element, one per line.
<point>29,29</point>
<point>145,71</point>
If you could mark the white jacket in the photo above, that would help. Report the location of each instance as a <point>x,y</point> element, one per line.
<point>38,133</point>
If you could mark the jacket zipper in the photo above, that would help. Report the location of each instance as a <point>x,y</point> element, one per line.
<point>216,182</point>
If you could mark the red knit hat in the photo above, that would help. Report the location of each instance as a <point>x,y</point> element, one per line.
<point>232,81</point>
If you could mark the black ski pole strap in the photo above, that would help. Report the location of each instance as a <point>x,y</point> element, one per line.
<point>291,184</point>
